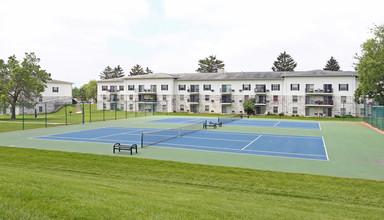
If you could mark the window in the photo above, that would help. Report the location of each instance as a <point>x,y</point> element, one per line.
<point>141,88</point>
<point>294,110</point>
<point>104,97</point>
<point>164,87</point>
<point>260,88</point>
<point>181,87</point>
<point>275,87</point>
<point>343,99</point>
<point>104,105</point>
<point>275,110</point>
<point>226,88</point>
<point>206,108</point>
<point>246,87</point>
<point>131,107</point>
<point>294,98</point>
<point>164,98</point>
<point>181,97</point>
<point>194,88</point>
<point>113,88</point>
<point>153,88</point>
<point>309,87</point>
<point>131,87</point>
<point>40,108</point>
<point>362,111</point>
<point>122,106</point>
<point>342,111</point>
<point>275,98</point>
<point>207,87</point>
<point>181,107</point>
<point>206,97</point>
<point>295,87</point>
<point>40,99</point>
<point>164,108</point>
<point>55,89</point>
<point>343,87</point>
<point>130,97</point>
<point>246,97</point>
<point>121,88</point>
<point>121,97</point>
<point>104,88</point>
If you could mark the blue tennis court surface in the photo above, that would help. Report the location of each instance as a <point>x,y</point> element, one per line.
<point>291,146</point>
<point>246,122</point>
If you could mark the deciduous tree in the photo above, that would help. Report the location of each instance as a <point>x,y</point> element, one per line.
<point>22,82</point>
<point>370,67</point>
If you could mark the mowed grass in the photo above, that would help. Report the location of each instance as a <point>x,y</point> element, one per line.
<point>38,184</point>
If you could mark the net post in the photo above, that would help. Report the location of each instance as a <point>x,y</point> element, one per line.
<point>142,140</point>
<point>23,114</point>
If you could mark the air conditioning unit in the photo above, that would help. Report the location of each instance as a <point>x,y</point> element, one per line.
<point>212,100</point>
<point>212,90</point>
<point>240,90</point>
<point>240,100</point>
<point>267,90</point>
<point>233,90</point>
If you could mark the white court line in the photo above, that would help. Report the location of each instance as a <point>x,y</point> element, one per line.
<point>116,134</point>
<point>325,148</point>
<point>276,124</point>
<point>252,142</point>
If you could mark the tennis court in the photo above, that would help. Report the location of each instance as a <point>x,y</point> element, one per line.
<point>290,146</point>
<point>246,122</point>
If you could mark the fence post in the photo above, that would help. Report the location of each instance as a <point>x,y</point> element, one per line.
<point>22,104</point>
<point>103,112</point>
<point>83,110</point>
<point>45,112</point>
<point>66,117</point>
<point>90,112</point>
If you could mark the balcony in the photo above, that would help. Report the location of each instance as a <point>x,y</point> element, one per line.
<point>226,101</point>
<point>146,91</point>
<point>195,91</point>
<point>319,103</point>
<point>261,102</point>
<point>193,101</point>
<point>322,92</point>
<point>226,90</point>
<point>261,90</point>
<point>147,100</point>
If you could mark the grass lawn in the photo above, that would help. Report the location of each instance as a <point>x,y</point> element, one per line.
<point>39,184</point>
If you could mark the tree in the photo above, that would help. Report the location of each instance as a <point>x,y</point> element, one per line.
<point>283,63</point>
<point>91,91</point>
<point>137,70</point>
<point>332,65</point>
<point>370,67</point>
<point>118,72</point>
<point>210,65</point>
<point>22,82</point>
<point>249,106</point>
<point>75,92</point>
<point>148,71</point>
<point>107,73</point>
<point>82,93</point>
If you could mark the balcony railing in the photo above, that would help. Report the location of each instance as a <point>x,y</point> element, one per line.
<point>193,90</point>
<point>193,100</point>
<point>260,90</point>
<point>147,90</point>
<point>319,102</point>
<point>319,91</point>
<point>226,90</point>
<point>147,100</point>
<point>261,102</point>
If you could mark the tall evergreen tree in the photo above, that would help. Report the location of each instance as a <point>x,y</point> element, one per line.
<point>284,62</point>
<point>107,73</point>
<point>137,70</point>
<point>148,71</point>
<point>332,65</point>
<point>210,65</point>
<point>118,72</point>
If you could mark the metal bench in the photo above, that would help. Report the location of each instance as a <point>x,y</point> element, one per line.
<point>120,147</point>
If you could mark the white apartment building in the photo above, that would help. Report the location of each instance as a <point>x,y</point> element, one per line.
<point>305,93</point>
<point>54,96</point>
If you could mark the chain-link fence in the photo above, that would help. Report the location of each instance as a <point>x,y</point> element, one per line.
<point>21,116</point>
<point>374,115</point>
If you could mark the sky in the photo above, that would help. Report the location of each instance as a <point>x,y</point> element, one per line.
<point>77,39</point>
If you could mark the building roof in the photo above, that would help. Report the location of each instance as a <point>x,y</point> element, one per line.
<point>235,75</point>
<point>58,81</point>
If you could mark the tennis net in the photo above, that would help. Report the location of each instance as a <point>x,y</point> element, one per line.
<point>155,137</point>
<point>228,119</point>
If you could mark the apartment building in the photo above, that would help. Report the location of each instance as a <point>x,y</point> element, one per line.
<point>305,93</point>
